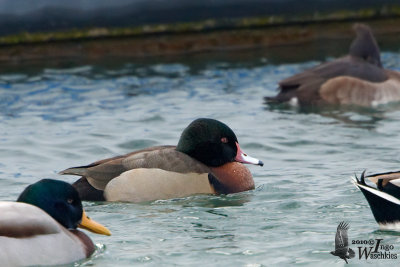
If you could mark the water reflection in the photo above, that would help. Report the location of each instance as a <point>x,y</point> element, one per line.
<point>210,201</point>
<point>351,116</point>
<point>231,200</point>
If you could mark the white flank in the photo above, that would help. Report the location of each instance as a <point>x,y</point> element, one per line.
<point>139,185</point>
<point>390,226</point>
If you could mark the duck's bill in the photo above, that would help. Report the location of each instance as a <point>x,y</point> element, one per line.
<point>93,226</point>
<point>244,158</point>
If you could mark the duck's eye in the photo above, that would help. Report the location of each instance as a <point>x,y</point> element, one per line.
<point>70,201</point>
<point>224,140</point>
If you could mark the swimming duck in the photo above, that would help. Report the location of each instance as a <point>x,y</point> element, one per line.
<point>40,228</point>
<point>355,79</point>
<point>383,200</point>
<point>207,160</point>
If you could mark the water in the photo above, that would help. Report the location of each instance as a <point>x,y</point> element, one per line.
<point>66,115</point>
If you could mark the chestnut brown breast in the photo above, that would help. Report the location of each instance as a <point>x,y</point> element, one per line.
<point>232,177</point>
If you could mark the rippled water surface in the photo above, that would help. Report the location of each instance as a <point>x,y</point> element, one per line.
<point>56,117</point>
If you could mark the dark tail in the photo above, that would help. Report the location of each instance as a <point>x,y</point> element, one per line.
<point>88,192</point>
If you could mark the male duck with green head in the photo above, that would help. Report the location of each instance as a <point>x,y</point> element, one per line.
<point>206,160</point>
<point>40,228</point>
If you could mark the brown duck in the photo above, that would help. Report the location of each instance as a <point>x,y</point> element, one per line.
<point>355,79</point>
<point>207,160</point>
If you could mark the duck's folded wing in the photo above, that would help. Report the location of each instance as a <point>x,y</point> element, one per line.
<point>166,158</point>
<point>352,67</point>
<point>99,174</point>
<point>33,222</point>
<point>345,66</point>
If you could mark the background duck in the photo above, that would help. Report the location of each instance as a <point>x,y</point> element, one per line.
<point>383,200</point>
<point>40,228</point>
<point>355,79</point>
<point>207,160</point>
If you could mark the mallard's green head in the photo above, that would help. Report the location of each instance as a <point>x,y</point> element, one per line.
<point>61,201</point>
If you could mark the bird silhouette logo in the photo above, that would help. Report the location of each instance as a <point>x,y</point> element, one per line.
<point>342,249</point>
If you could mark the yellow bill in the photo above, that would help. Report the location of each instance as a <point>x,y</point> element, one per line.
<point>93,226</point>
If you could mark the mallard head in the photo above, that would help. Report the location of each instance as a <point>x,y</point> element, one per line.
<point>61,201</point>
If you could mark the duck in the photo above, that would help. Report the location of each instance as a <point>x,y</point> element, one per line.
<point>384,199</point>
<point>357,79</point>
<point>207,160</point>
<point>40,228</point>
